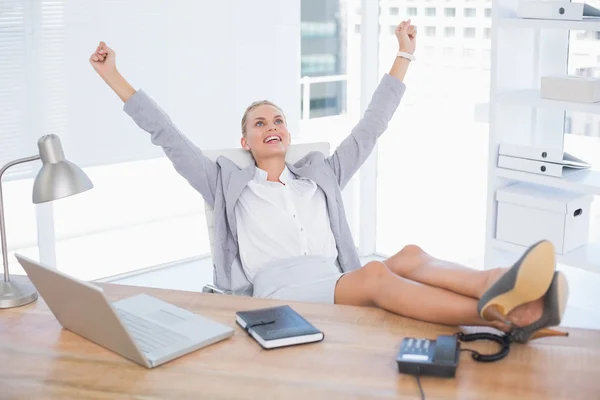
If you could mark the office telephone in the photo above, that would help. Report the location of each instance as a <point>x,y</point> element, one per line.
<point>429,357</point>
<point>440,357</point>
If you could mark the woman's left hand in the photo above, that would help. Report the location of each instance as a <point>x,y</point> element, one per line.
<point>407,37</point>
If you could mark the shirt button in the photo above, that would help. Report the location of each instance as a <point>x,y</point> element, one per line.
<point>294,215</point>
<point>301,229</point>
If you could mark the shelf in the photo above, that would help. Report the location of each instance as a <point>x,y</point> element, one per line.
<point>585,257</point>
<point>586,181</point>
<point>531,97</point>
<point>589,25</point>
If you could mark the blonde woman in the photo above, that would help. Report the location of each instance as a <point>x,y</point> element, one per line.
<point>287,225</point>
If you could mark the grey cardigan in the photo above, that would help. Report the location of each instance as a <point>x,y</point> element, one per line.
<point>221,183</point>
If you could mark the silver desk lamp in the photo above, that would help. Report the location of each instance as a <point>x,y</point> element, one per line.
<point>56,179</point>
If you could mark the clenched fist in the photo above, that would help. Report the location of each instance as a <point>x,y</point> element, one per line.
<point>103,60</point>
<point>407,37</point>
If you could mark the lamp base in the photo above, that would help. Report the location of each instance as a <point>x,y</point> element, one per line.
<point>17,292</point>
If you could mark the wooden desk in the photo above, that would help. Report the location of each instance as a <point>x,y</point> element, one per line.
<point>40,360</point>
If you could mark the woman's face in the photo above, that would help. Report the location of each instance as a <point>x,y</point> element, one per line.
<point>266,132</point>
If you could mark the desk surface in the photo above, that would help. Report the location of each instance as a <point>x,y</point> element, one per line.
<point>39,359</point>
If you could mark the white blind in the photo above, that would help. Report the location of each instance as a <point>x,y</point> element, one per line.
<point>85,113</point>
<point>13,82</point>
<point>51,75</point>
<point>202,61</point>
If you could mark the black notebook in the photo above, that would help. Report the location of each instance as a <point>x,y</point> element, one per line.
<point>278,327</point>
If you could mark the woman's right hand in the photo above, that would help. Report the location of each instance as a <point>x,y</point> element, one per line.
<point>103,60</point>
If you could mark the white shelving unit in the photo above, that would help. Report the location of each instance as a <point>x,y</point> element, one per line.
<point>511,21</point>
<point>524,50</point>
<point>586,257</point>
<point>531,97</point>
<point>580,181</point>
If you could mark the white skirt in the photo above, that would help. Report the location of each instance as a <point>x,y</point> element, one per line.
<point>310,279</point>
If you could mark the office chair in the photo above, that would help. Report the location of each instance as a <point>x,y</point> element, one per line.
<point>243,158</point>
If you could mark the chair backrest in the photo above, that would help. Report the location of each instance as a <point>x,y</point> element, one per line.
<point>242,158</point>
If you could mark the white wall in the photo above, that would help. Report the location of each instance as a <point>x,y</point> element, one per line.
<point>242,51</point>
<point>203,61</point>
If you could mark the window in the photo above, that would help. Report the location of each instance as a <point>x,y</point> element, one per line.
<point>448,52</point>
<point>411,11</point>
<point>16,104</point>
<point>469,53</point>
<point>429,52</point>
<point>455,132</point>
<point>324,102</point>
<point>317,29</point>
<point>326,99</point>
<point>125,228</point>
<point>587,35</point>
<point>487,12</point>
<point>583,60</point>
<point>469,33</point>
<point>487,33</point>
<point>430,31</point>
<point>394,11</point>
<point>486,60</point>
<point>430,11</point>
<point>470,12</point>
<point>318,64</point>
<point>13,78</point>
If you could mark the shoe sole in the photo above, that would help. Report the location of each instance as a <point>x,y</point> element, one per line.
<point>563,294</point>
<point>533,279</point>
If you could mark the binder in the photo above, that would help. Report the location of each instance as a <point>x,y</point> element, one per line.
<point>569,165</point>
<point>557,10</point>
<point>547,154</point>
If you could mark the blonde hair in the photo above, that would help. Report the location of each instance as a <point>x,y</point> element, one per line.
<point>252,107</point>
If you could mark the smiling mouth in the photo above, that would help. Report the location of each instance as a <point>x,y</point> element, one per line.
<point>272,139</point>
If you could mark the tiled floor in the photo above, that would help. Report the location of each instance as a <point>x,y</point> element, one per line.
<point>583,310</point>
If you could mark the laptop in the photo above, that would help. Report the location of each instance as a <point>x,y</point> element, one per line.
<point>141,328</point>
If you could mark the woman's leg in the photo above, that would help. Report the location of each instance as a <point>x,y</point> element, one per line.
<point>415,264</point>
<point>376,285</point>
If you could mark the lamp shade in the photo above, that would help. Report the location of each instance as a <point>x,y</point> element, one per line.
<point>58,177</point>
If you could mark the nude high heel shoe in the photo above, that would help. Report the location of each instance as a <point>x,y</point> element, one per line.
<point>527,280</point>
<point>555,302</point>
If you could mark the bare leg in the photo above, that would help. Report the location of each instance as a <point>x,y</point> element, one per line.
<point>415,264</point>
<point>375,284</point>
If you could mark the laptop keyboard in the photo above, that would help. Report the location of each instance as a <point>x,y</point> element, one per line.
<point>148,336</point>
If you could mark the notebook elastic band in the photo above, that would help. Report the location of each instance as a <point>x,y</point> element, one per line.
<point>248,326</point>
